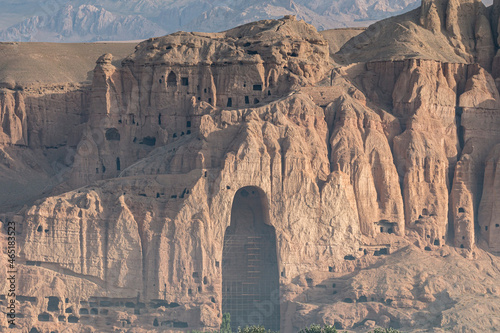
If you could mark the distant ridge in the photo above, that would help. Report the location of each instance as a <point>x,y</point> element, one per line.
<point>108,20</point>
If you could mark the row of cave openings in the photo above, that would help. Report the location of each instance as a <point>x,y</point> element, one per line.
<point>52,306</point>
<point>384,226</point>
<point>256,87</point>
<point>113,134</point>
<point>173,82</point>
<point>98,307</point>
<point>437,242</point>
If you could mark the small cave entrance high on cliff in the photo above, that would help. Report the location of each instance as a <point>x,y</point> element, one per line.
<point>171,80</point>
<point>250,275</point>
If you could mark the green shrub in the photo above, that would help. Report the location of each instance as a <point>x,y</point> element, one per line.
<point>331,329</point>
<point>319,329</point>
<point>225,327</point>
<point>254,329</point>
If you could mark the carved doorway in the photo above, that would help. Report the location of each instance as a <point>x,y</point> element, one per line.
<point>250,275</point>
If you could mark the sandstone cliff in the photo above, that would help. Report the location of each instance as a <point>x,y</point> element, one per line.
<point>357,194</point>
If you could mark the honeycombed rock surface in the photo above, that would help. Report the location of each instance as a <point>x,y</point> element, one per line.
<point>379,178</point>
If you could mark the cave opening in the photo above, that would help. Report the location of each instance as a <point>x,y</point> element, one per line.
<point>171,80</point>
<point>53,304</point>
<point>250,274</point>
<point>112,134</point>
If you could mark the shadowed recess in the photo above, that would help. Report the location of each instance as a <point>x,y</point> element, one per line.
<point>250,280</point>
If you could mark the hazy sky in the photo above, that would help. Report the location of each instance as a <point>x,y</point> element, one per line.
<point>188,15</point>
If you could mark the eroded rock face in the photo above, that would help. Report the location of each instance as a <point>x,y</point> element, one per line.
<point>445,30</point>
<point>360,148</point>
<point>365,173</point>
<point>183,216</point>
<point>465,23</point>
<point>13,118</point>
<point>463,198</point>
<point>41,127</point>
<point>169,83</point>
<point>427,104</point>
<point>488,220</point>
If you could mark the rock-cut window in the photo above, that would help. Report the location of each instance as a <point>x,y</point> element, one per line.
<point>171,80</point>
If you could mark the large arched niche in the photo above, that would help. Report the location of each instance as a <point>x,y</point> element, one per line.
<point>250,273</point>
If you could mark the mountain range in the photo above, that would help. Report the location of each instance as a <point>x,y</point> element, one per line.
<point>112,20</point>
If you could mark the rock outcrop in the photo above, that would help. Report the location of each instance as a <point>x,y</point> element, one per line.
<point>154,100</point>
<point>360,148</point>
<point>248,171</point>
<point>444,30</point>
<point>463,198</point>
<point>427,150</point>
<point>13,118</point>
<point>44,105</point>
